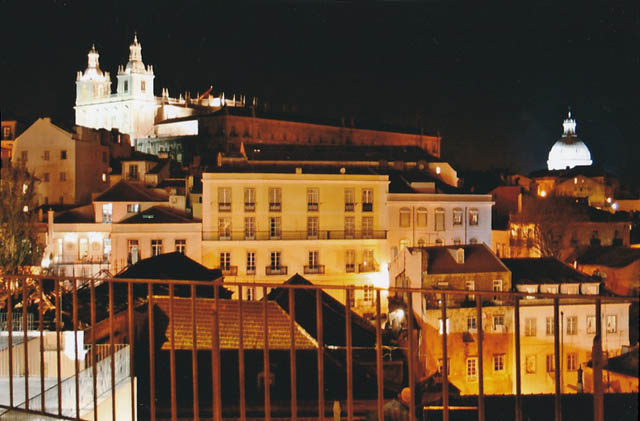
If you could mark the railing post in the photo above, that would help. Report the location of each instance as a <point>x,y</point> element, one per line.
<point>172,355</point>
<point>58,345</point>
<point>40,321</point>
<point>94,368</point>
<point>75,346</point>
<point>411,357</point>
<point>215,358</point>
<point>480,358</point>
<point>241,369</point>
<point>265,358</point>
<point>596,356</point>
<point>152,361</point>
<point>349,355</point>
<point>516,323</point>
<point>25,344</point>
<point>131,350</point>
<point>10,328</point>
<point>292,351</point>
<point>320,336</point>
<point>113,352</point>
<point>379,368</point>
<point>445,364</point>
<point>556,347</point>
<point>194,356</point>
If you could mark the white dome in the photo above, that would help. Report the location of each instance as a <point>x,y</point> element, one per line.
<point>569,151</point>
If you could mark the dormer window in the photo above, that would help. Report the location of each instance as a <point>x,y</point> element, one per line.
<point>460,256</point>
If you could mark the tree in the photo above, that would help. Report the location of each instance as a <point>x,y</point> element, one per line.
<point>19,245</point>
<point>546,223</point>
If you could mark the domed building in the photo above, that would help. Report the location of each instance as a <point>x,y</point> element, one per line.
<point>569,151</point>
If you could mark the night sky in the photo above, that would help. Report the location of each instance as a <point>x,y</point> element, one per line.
<point>495,80</point>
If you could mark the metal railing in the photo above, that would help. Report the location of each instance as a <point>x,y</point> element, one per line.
<point>186,329</point>
<point>294,235</point>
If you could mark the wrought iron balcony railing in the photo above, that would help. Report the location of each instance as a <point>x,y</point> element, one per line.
<point>316,269</point>
<point>294,235</point>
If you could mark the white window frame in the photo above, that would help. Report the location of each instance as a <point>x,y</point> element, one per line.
<point>251,262</point>
<point>498,363</point>
<point>156,246</point>
<point>180,245</point>
<point>471,369</point>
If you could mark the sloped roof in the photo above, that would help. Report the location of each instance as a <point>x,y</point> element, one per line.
<point>609,256</point>
<point>478,258</point>
<point>173,265</point>
<point>159,166</point>
<point>543,270</point>
<point>253,322</point>
<point>129,192</point>
<point>333,315</point>
<point>159,215</point>
<point>79,215</point>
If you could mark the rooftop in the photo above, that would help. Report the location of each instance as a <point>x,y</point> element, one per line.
<point>253,324</point>
<point>130,192</point>
<point>543,270</point>
<point>478,258</point>
<point>159,215</point>
<point>609,256</point>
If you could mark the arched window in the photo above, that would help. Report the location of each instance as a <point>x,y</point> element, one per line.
<point>457,216</point>
<point>473,241</point>
<point>421,217</point>
<point>421,242</point>
<point>405,217</point>
<point>439,242</point>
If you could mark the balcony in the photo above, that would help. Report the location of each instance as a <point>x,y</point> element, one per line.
<point>294,235</point>
<point>367,207</point>
<point>349,207</point>
<point>312,207</point>
<point>275,207</point>
<point>229,270</point>
<point>275,270</point>
<point>350,268</point>
<point>224,207</point>
<point>314,270</point>
<point>249,207</point>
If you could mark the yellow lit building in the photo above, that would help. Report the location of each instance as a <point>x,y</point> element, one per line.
<point>329,226</point>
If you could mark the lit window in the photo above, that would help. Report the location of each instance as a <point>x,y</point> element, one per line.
<point>224,228</point>
<point>612,323</point>
<point>405,217</point>
<point>104,177</point>
<point>530,327</point>
<point>349,200</point>
<point>350,260</point>
<point>313,259</point>
<point>440,326</point>
<point>473,240</point>
<point>46,155</point>
<point>421,217</point>
<point>473,216</point>
<point>572,325</point>
<point>498,322</point>
<point>530,363</point>
<point>225,261</point>
<point>312,227</point>
<point>439,223</point>
<point>83,248</point>
<point>572,361</point>
<point>367,200</point>
<point>313,198</point>
<point>275,260</point>
<point>367,227</point>
<point>133,208</point>
<point>421,242</point>
<point>274,227</point>
<point>224,199</point>
<point>251,262</point>
<point>439,242</point>
<point>249,228</point>
<point>275,199</point>
<point>106,248</point>
<point>133,172</point>
<point>472,369</point>
<point>498,362</point>
<point>107,212</point>
<point>457,216</point>
<point>470,286</point>
<point>156,247</point>
<point>349,226</point>
<point>132,252</point>
<point>551,366</point>
<point>181,246</point>
<point>249,199</point>
<point>404,243</point>
<point>143,86</point>
<point>471,323</point>
<point>549,330</point>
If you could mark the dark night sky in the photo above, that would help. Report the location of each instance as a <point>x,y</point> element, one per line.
<point>494,78</point>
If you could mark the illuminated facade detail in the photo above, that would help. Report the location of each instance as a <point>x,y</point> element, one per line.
<point>569,151</point>
<point>299,216</point>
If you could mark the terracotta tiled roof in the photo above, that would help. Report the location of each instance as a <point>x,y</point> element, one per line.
<point>478,258</point>
<point>253,324</point>
<point>541,270</point>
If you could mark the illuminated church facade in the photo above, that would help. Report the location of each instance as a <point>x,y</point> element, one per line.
<point>132,108</point>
